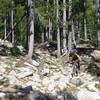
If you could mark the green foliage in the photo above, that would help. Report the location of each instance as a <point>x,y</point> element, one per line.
<point>18,64</point>
<point>11,58</point>
<point>45,11</point>
<point>94,73</point>
<point>97,86</point>
<point>15,51</point>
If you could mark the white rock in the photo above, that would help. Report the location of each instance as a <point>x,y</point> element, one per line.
<point>35,63</point>
<point>1,78</point>
<point>62,85</point>
<point>46,82</point>
<point>84,94</point>
<point>2,95</point>
<point>30,65</point>
<point>91,86</point>
<point>21,48</point>
<point>24,74</point>
<point>35,78</point>
<point>45,71</point>
<point>96,54</point>
<point>13,79</point>
<point>23,69</point>
<point>53,67</point>
<point>13,73</point>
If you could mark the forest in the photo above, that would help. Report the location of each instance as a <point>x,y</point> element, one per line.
<point>35,39</point>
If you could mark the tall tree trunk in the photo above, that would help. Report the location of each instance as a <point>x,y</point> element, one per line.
<point>98,20</point>
<point>78,31</point>
<point>12,22</point>
<point>70,25</point>
<point>31,30</point>
<point>58,30</point>
<point>73,33</point>
<point>85,29</point>
<point>42,36</point>
<point>50,29</point>
<point>5,23</point>
<point>64,25</point>
<point>47,33</point>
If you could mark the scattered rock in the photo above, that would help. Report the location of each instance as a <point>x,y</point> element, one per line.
<point>24,74</point>
<point>96,54</point>
<point>34,63</point>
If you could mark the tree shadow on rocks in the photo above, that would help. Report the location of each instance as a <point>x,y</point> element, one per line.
<point>94,69</point>
<point>28,94</point>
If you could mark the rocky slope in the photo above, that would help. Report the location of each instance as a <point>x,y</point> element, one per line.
<point>49,75</point>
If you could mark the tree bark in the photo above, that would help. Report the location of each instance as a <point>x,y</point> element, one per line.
<point>70,25</point>
<point>31,30</point>
<point>69,40</point>
<point>98,20</point>
<point>58,30</point>
<point>50,29</point>
<point>64,25</point>
<point>73,33</point>
<point>85,29</point>
<point>12,22</point>
<point>47,33</point>
<point>42,37</point>
<point>5,23</point>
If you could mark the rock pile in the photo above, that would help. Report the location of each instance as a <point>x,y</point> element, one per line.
<point>47,75</point>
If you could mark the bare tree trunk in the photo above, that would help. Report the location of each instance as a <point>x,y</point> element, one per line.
<point>64,25</point>
<point>70,26</point>
<point>69,40</point>
<point>50,29</point>
<point>12,22</point>
<point>99,38</point>
<point>58,30</point>
<point>5,23</point>
<point>70,9</point>
<point>47,33</point>
<point>85,29</point>
<point>73,33</point>
<point>31,32</point>
<point>43,37</point>
<point>78,31</point>
<point>98,20</point>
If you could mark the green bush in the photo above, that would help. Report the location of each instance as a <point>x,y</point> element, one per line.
<point>15,51</point>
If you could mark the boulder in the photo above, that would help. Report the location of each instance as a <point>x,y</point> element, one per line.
<point>96,54</point>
